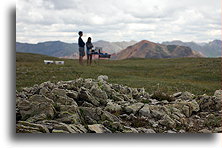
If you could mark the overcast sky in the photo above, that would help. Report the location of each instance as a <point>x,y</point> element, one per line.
<point>118,20</point>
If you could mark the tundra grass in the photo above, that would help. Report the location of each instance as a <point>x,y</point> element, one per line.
<point>196,75</point>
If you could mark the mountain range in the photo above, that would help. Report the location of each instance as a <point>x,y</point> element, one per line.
<point>153,50</point>
<point>68,50</point>
<point>211,49</point>
<point>147,49</point>
<point>50,48</point>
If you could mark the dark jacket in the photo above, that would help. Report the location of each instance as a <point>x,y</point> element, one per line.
<point>80,42</point>
<point>89,45</point>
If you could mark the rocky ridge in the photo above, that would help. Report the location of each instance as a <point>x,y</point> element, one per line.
<point>96,106</point>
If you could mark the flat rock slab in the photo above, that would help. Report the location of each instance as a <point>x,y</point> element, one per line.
<point>98,128</point>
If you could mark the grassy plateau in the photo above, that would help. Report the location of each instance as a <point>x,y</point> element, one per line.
<point>196,75</point>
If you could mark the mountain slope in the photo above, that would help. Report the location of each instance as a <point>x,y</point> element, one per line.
<point>211,49</point>
<point>51,48</point>
<point>147,49</point>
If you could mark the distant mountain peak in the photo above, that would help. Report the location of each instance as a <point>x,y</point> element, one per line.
<point>216,42</point>
<point>210,49</point>
<point>146,42</point>
<point>148,49</point>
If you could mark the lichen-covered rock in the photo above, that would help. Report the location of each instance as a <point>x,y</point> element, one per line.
<point>160,96</point>
<point>218,94</point>
<point>113,107</point>
<point>84,95</point>
<point>60,131</point>
<point>27,127</point>
<point>156,112</point>
<point>145,111</point>
<point>209,103</point>
<point>168,122</point>
<point>36,105</point>
<point>206,131</point>
<point>99,94</point>
<point>98,128</point>
<point>88,83</point>
<point>103,78</point>
<point>72,94</point>
<point>64,127</point>
<point>187,107</point>
<point>186,110</point>
<point>218,130</point>
<point>134,108</point>
<point>68,117</point>
<point>107,88</point>
<point>79,128</point>
<point>194,106</point>
<point>59,92</point>
<point>177,94</point>
<point>44,91</point>
<point>128,129</point>
<point>218,99</point>
<point>186,96</point>
<point>145,130</point>
<point>96,115</point>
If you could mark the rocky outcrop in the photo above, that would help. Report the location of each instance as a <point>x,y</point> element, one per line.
<point>96,106</point>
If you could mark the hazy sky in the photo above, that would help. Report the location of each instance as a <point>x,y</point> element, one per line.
<point>118,20</point>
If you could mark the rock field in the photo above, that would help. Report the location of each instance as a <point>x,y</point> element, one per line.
<point>96,106</point>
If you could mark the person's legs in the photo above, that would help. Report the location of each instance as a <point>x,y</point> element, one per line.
<point>90,59</point>
<point>80,60</point>
<point>81,55</point>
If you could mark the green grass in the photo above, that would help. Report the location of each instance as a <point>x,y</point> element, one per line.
<point>196,75</point>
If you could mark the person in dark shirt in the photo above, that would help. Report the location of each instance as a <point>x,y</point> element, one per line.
<point>89,47</point>
<point>81,44</point>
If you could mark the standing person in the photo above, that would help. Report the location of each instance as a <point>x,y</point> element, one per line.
<point>81,44</point>
<point>89,47</point>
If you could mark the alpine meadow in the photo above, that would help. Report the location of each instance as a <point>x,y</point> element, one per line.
<point>196,75</point>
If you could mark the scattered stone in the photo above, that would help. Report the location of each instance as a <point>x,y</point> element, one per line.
<point>186,96</point>
<point>134,108</point>
<point>170,132</point>
<point>182,131</point>
<point>128,129</point>
<point>218,98</point>
<point>218,94</point>
<point>59,131</point>
<point>145,111</point>
<point>98,128</point>
<point>84,95</point>
<point>218,130</point>
<point>145,130</point>
<point>64,127</point>
<point>168,122</point>
<point>27,127</point>
<point>36,105</point>
<point>113,107</point>
<point>87,104</point>
<point>102,78</point>
<point>205,131</point>
<point>72,94</point>
<point>177,94</point>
